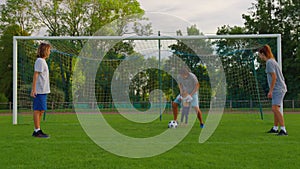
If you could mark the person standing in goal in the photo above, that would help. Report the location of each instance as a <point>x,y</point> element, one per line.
<point>40,88</point>
<point>277,88</point>
<point>188,81</point>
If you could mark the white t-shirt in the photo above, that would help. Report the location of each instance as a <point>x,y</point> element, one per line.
<point>42,82</point>
<point>188,98</point>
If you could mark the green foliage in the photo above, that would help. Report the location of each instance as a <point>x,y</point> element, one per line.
<point>57,96</point>
<point>84,17</point>
<point>3,98</point>
<point>75,18</point>
<point>6,59</point>
<point>245,76</point>
<point>61,65</point>
<point>120,50</point>
<point>103,79</point>
<point>18,12</point>
<point>276,16</point>
<point>228,30</point>
<point>280,17</point>
<point>192,52</point>
<point>63,18</point>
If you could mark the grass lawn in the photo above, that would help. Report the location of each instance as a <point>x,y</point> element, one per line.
<point>240,141</point>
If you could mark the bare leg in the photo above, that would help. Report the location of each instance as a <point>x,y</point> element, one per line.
<point>41,114</point>
<point>276,121</point>
<point>278,118</point>
<point>175,110</point>
<point>182,116</point>
<point>37,116</point>
<point>199,114</point>
<point>185,113</point>
<point>187,116</point>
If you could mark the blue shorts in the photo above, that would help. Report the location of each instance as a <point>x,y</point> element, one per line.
<point>40,102</point>
<point>194,103</point>
<point>277,98</point>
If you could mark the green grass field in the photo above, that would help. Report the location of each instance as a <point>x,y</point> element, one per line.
<point>240,141</point>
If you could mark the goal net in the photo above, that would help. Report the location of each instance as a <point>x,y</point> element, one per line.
<point>139,74</point>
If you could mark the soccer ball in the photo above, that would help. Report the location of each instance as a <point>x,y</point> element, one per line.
<point>172,124</point>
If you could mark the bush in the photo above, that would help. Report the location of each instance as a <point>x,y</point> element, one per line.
<point>3,98</point>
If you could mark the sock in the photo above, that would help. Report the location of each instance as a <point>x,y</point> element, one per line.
<point>283,128</point>
<point>275,127</point>
<point>36,130</point>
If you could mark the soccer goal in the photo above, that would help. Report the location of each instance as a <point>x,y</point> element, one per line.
<point>138,74</point>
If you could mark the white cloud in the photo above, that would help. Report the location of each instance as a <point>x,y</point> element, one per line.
<point>208,15</point>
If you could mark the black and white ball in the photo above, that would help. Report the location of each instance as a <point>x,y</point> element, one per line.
<point>172,124</point>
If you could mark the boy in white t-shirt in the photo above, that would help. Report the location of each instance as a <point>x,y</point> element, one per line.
<point>40,88</point>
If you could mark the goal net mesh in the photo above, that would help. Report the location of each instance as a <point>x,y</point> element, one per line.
<point>141,66</point>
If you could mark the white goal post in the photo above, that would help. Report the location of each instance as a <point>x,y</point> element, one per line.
<point>16,38</point>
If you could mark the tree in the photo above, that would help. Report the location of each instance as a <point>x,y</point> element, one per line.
<point>238,62</point>
<point>18,12</point>
<point>83,17</point>
<point>188,50</point>
<point>49,14</point>
<point>283,17</point>
<point>193,53</point>
<point>72,18</point>
<point>6,59</point>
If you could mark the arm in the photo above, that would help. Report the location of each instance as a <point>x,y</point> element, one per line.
<point>33,90</point>
<point>196,88</point>
<point>180,89</point>
<point>273,75</point>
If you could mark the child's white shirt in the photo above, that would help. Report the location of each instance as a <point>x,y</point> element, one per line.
<point>188,98</point>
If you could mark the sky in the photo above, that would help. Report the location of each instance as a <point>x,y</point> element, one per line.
<point>208,15</point>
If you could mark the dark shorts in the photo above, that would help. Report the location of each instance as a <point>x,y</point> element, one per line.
<point>40,102</point>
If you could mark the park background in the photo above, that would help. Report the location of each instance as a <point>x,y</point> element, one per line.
<point>24,18</point>
<point>234,145</point>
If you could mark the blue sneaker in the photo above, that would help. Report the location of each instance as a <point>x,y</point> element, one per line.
<point>202,125</point>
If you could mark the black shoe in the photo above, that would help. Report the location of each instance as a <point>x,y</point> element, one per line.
<point>34,134</point>
<point>40,134</point>
<point>282,133</point>
<point>272,131</point>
